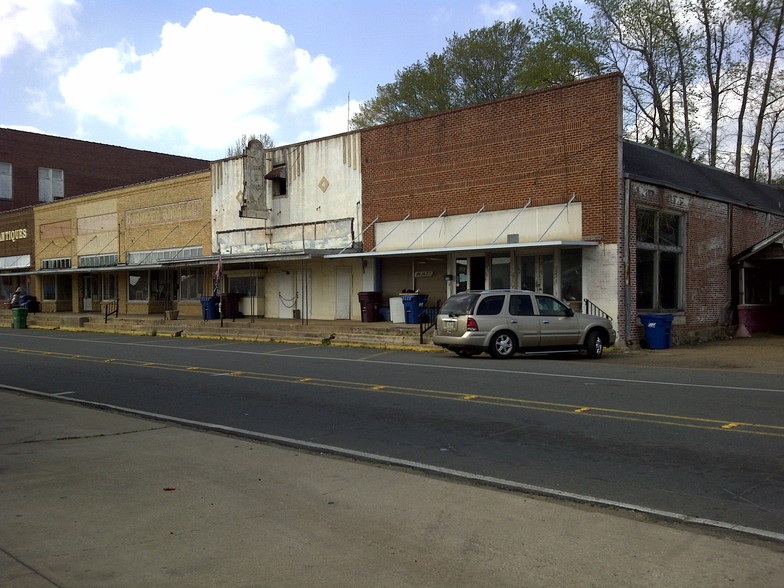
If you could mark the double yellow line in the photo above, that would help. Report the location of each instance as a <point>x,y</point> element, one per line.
<point>727,426</point>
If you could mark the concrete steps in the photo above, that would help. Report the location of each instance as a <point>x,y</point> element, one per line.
<point>346,333</point>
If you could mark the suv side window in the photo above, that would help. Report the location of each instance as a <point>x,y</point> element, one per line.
<point>550,306</point>
<point>490,305</point>
<point>521,305</point>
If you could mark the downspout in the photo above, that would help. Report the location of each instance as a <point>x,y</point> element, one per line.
<point>627,279</point>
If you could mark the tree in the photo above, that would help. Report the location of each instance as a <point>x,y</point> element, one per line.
<point>565,48</point>
<point>771,37</point>
<point>485,64</point>
<point>418,90</point>
<point>714,49</point>
<point>240,144</point>
<point>638,35</point>
<point>489,63</point>
<point>697,74</point>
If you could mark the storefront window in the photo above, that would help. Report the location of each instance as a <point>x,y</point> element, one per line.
<point>500,276</point>
<point>109,287</point>
<point>56,287</point>
<point>50,287</point>
<point>244,285</point>
<point>572,274</point>
<point>138,285</point>
<point>659,260</point>
<point>191,281</point>
<point>461,275</point>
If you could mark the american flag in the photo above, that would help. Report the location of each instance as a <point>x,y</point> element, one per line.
<point>220,267</point>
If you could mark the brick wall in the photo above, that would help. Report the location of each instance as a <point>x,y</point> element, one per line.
<point>751,226</point>
<point>88,167</point>
<point>544,146</point>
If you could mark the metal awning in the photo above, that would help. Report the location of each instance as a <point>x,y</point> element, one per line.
<point>276,173</point>
<point>18,272</point>
<point>95,270</point>
<point>254,258</point>
<point>466,249</point>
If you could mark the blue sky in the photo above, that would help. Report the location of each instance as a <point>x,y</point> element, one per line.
<point>190,78</point>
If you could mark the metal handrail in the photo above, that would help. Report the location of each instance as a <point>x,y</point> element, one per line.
<point>427,320</point>
<point>112,308</point>
<point>592,309</point>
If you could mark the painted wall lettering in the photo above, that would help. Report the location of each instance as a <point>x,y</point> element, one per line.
<point>13,235</point>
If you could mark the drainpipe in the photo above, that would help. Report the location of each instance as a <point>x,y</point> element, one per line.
<point>627,281</point>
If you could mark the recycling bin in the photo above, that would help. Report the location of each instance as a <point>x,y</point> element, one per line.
<point>209,308</point>
<point>658,330</point>
<point>414,305</point>
<point>20,317</point>
<point>370,305</point>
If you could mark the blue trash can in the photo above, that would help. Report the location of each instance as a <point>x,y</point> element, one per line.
<point>658,330</point>
<point>209,308</point>
<point>413,305</point>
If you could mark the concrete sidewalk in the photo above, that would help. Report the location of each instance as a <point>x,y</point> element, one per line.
<point>94,498</point>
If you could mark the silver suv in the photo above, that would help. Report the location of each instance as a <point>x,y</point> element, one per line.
<point>503,322</point>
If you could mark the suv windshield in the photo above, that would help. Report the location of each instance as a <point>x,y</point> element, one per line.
<point>460,304</point>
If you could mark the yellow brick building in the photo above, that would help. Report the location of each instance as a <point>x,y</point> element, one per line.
<point>139,247</point>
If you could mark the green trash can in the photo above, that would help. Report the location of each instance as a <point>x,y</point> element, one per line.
<point>20,317</point>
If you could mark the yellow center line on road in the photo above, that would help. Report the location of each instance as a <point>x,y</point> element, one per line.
<point>721,425</point>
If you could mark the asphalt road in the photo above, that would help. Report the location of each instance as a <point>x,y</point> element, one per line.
<point>700,443</point>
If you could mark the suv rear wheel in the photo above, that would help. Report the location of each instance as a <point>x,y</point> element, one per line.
<point>503,345</point>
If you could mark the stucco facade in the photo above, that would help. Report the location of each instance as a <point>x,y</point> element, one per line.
<point>276,213</point>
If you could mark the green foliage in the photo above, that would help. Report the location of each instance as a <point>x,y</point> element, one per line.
<point>489,63</point>
<point>566,48</point>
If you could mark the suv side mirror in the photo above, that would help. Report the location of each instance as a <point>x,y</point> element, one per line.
<point>569,312</point>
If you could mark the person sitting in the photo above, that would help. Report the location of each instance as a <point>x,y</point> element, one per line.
<point>15,298</point>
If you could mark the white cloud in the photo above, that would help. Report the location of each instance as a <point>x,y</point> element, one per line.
<point>209,81</point>
<point>37,23</point>
<point>503,11</point>
<point>332,121</point>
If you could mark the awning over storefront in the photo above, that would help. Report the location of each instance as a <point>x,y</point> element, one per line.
<point>276,173</point>
<point>95,270</point>
<point>467,249</point>
<point>769,248</point>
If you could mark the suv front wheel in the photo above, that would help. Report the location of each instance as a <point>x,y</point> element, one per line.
<point>594,345</point>
<point>503,345</point>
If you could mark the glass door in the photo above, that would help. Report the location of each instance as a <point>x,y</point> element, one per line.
<point>91,292</point>
<point>536,273</point>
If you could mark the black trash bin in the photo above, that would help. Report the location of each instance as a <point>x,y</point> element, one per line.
<point>209,308</point>
<point>30,303</point>
<point>370,304</point>
<point>231,305</point>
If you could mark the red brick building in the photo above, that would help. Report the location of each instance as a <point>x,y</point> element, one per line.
<point>541,191</point>
<point>38,168</point>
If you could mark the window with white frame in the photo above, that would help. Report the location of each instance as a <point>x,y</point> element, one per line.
<point>51,184</point>
<point>6,187</point>
<point>660,279</point>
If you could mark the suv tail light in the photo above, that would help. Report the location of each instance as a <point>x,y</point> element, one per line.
<point>471,324</point>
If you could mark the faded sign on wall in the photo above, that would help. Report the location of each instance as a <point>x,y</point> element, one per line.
<point>254,197</point>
